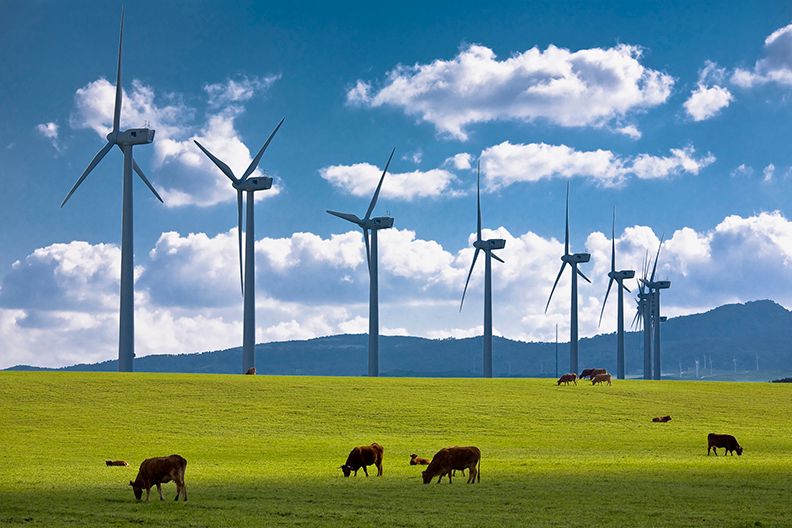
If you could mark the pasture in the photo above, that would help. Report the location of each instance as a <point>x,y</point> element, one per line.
<point>265,451</point>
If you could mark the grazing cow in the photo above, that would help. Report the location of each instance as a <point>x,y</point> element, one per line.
<point>156,471</point>
<point>566,378</point>
<point>586,373</point>
<point>601,378</point>
<point>415,460</point>
<point>661,419</point>
<point>448,459</point>
<point>116,462</point>
<point>590,373</point>
<point>363,456</point>
<point>728,442</point>
<point>251,371</point>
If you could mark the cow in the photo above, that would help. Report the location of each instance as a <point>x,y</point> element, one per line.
<point>159,470</point>
<point>448,459</point>
<point>415,460</point>
<point>590,373</point>
<point>601,378</point>
<point>728,442</point>
<point>661,419</point>
<point>363,456</point>
<point>116,462</point>
<point>251,371</point>
<point>566,378</point>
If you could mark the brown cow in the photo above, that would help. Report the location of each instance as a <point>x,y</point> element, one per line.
<point>728,442</point>
<point>601,378</point>
<point>590,373</point>
<point>363,456</point>
<point>251,371</point>
<point>661,419</point>
<point>415,460</point>
<point>566,378</point>
<point>156,471</point>
<point>116,462</point>
<point>450,458</point>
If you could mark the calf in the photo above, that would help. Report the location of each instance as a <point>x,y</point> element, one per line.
<point>728,442</point>
<point>566,378</point>
<point>156,471</point>
<point>601,378</point>
<point>448,459</point>
<point>661,419</point>
<point>116,462</point>
<point>415,460</point>
<point>363,456</point>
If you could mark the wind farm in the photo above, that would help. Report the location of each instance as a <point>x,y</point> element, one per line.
<point>366,380</point>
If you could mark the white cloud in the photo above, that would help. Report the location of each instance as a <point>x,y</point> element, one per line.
<point>507,163</point>
<point>707,101</point>
<point>415,157</point>
<point>461,161</point>
<point>361,179</point>
<point>775,65</point>
<point>768,172</point>
<point>184,175</point>
<point>742,170</point>
<point>60,297</point>
<point>50,131</point>
<point>594,87</point>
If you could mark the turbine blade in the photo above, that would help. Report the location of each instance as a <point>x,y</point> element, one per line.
<point>613,242</point>
<point>347,216</point>
<point>555,284</point>
<point>496,257</point>
<point>379,186</point>
<point>255,162</point>
<point>657,257</point>
<point>94,162</point>
<point>626,288</point>
<point>239,238</point>
<point>566,231</point>
<point>368,249</point>
<point>607,292</point>
<point>478,201</point>
<point>220,165</point>
<point>139,171</point>
<point>472,265</point>
<point>635,319</point>
<point>582,275</point>
<point>117,108</point>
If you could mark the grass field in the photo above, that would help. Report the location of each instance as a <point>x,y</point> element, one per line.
<point>264,451</point>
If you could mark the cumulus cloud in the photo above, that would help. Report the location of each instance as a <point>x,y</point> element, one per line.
<point>507,163</point>
<point>60,298</point>
<point>775,65</point>
<point>709,98</point>
<point>50,131</point>
<point>461,161</point>
<point>742,170</point>
<point>361,179</point>
<point>597,87</point>
<point>183,173</point>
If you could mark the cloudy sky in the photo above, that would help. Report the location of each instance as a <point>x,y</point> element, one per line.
<point>676,114</point>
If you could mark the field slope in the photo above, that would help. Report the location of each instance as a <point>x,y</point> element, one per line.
<point>264,451</point>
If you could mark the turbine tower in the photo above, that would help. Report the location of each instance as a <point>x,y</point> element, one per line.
<point>654,288</point>
<point>573,259</point>
<point>619,277</point>
<point>124,140</point>
<point>247,185</point>
<point>643,318</point>
<point>373,225</point>
<point>487,246</point>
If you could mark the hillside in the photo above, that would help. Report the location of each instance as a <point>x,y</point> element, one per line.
<point>735,331</point>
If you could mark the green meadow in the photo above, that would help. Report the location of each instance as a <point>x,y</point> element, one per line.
<point>265,451</point>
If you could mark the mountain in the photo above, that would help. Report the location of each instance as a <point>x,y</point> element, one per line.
<point>719,337</point>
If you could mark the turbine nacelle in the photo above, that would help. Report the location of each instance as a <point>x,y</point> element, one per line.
<point>379,222</point>
<point>656,285</point>
<point>261,183</point>
<point>576,258</point>
<point>490,245</point>
<point>621,275</point>
<point>133,136</point>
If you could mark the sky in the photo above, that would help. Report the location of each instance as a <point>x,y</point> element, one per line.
<point>675,113</point>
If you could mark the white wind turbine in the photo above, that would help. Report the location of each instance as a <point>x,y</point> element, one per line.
<point>250,186</point>
<point>124,140</point>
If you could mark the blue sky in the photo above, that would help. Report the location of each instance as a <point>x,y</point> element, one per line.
<point>676,114</point>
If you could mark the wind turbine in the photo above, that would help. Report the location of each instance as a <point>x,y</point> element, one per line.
<point>573,259</point>
<point>619,277</point>
<point>643,317</point>
<point>124,140</point>
<point>654,288</point>
<point>372,224</point>
<point>487,246</point>
<point>247,185</point>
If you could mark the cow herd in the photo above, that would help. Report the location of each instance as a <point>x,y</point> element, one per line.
<point>596,375</point>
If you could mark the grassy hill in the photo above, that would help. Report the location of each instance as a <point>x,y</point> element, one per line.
<point>264,451</point>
